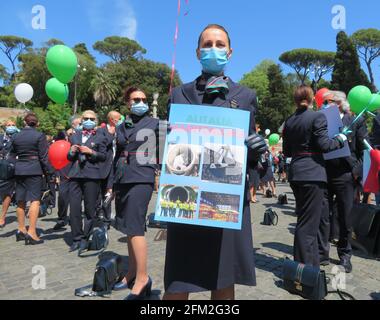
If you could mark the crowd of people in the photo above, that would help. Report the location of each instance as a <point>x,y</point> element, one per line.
<point>106,161</point>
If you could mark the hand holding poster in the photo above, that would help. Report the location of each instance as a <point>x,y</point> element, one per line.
<point>204,167</point>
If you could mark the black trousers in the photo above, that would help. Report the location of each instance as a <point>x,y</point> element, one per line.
<point>309,197</point>
<point>106,209</point>
<point>89,189</point>
<point>343,188</point>
<point>63,199</point>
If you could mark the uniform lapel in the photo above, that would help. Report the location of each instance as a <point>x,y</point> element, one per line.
<point>191,93</point>
<point>226,102</point>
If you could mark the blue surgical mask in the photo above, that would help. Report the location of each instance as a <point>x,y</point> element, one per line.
<point>139,109</point>
<point>11,130</point>
<point>89,125</point>
<point>78,128</point>
<point>214,60</point>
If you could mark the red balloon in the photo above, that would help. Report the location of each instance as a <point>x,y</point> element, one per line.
<point>58,154</point>
<point>103,125</point>
<point>319,96</point>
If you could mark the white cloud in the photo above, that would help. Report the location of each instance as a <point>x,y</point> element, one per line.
<point>117,16</point>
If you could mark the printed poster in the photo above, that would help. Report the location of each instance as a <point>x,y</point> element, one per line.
<point>204,167</point>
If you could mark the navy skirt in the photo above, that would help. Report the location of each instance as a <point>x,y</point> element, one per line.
<point>202,258</point>
<point>28,188</point>
<point>131,205</point>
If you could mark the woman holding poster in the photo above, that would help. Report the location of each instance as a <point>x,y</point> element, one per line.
<point>202,258</point>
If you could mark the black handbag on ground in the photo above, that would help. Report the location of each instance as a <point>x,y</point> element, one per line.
<point>97,241</point>
<point>270,218</point>
<point>109,271</point>
<point>366,229</point>
<point>282,199</point>
<point>307,281</point>
<point>269,194</point>
<point>7,170</point>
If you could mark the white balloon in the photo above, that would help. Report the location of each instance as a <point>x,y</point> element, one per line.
<point>267,132</point>
<point>24,92</point>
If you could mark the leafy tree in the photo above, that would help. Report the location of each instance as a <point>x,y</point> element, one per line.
<point>105,89</point>
<point>119,49</point>
<point>33,70</point>
<point>258,79</point>
<point>3,73</point>
<point>13,47</point>
<point>81,48</point>
<point>276,106</point>
<point>307,61</point>
<point>367,42</point>
<point>347,70</point>
<point>53,119</point>
<point>52,42</point>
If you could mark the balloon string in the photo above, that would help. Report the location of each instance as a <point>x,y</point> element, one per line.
<point>176,34</point>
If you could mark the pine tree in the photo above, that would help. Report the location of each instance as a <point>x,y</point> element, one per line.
<point>276,106</point>
<point>347,70</point>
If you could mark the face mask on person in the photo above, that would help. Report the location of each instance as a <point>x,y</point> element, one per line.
<point>78,127</point>
<point>213,60</point>
<point>89,125</point>
<point>139,109</point>
<point>11,130</point>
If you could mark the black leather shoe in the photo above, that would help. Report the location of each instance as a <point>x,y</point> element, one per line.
<point>346,264</point>
<point>20,236</point>
<point>2,226</point>
<point>124,285</point>
<point>145,292</point>
<point>60,225</point>
<point>29,241</point>
<point>74,246</point>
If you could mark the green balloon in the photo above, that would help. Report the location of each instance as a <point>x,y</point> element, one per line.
<point>359,98</point>
<point>375,103</point>
<point>62,63</point>
<point>274,139</point>
<point>57,91</point>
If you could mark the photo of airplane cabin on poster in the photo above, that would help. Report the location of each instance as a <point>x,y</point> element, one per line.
<point>204,167</point>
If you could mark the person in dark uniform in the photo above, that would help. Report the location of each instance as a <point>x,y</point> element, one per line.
<point>63,180</point>
<point>306,138</point>
<point>30,153</point>
<point>88,150</point>
<point>343,175</point>
<point>135,167</point>
<point>203,258</point>
<point>7,187</point>
<point>106,185</point>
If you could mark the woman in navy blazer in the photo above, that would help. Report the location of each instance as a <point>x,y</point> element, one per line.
<point>30,153</point>
<point>88,150</point>
<point>7,187</point>
<point>134,182</point>
<point>204,258</point>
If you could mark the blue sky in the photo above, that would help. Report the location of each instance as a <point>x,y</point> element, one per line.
<point>258,29</point>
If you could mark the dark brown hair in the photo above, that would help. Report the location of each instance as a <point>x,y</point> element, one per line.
<point>303,96</point>
<point>129,91</point>
<point>31,120</point>
<point>214,26</point>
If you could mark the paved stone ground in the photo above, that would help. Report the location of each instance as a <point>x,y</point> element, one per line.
<point>65,271</point>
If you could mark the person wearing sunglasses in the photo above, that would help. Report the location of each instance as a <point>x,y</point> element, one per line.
<point>203,258</point>
<point>135,167</point>
<point>7,187</point>
<point>88,150</point>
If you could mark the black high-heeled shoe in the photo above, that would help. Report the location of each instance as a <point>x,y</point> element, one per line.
<point>20,236</point>
<point>146,291</point>
<point>29,241</point>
